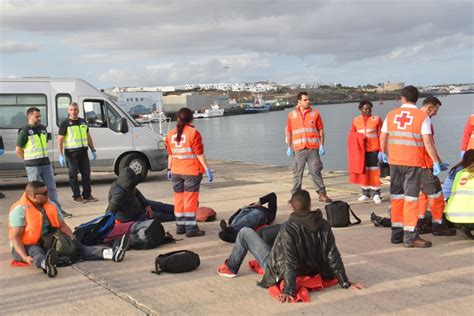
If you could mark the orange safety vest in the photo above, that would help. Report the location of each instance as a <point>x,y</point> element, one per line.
<point>370,128</point>
<point>184,161</point>
<point>470,144</point>
<point>428,160</point>
<point>304,133</point>
<point>405,141</point>
<point>34,219</point>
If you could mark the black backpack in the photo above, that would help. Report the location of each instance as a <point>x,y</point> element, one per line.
<point>177,262</point>
<point>149,234</point>
<point>65,247</point>
<point>337,213</point>
<point>95,231</point>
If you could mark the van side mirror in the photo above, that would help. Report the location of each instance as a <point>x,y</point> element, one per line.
<point>123,125</point>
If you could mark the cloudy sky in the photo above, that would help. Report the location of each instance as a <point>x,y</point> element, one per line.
<point>154,42</point>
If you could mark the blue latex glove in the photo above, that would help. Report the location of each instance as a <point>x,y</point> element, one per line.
<point>321,150</point>
<point>444,166</point>
<point>2,151</point>
<point>62,160</point>
<point>94,155</point>
<point>168,175</point>
<point>289,152</point>
<point>210,177</point>
<point>462,153</point>
<point>436,168</point>
<point>383,157</point>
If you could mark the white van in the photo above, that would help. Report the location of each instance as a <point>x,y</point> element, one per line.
<point>120,141</point>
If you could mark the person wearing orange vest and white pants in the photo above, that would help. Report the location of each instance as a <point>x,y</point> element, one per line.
<point>305,139</point>
<point>406,134</point>
<point>370,126</point>
<point>186,163</point>
<point>33,217</point>
<point>431,192</point>
<point>468,136</point>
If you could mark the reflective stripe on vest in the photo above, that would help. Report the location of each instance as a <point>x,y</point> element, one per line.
<point>76,136</point>
<point>405,141</point>
<point>36,147</point>
<point>369,128</point>
<point>34,220</point>
<point>460,206</point>
<point>304,133</point>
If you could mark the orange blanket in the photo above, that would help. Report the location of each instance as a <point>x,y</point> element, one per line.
<point>356,158</point>
<point>304,284</point>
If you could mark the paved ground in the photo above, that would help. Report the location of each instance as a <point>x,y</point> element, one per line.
<point>437,281</point>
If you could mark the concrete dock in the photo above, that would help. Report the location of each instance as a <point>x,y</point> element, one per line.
<point>433,281</point>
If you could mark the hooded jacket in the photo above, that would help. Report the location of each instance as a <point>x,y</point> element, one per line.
<point>305,245</point>
<point>125,200</point>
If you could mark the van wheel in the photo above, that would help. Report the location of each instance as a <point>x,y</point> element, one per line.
<point>135,161</point>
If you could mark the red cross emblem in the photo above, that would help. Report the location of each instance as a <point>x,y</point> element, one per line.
<point>403,120</point>
<point>180,144</point>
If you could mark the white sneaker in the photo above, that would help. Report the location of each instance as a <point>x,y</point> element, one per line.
<point>377,199</point>
<point>363,198</point>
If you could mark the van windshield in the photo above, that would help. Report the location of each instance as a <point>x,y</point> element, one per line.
<point>118,108</point>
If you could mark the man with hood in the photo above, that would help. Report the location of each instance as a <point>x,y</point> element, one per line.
<point>128,203</point>
<point>305,245</point>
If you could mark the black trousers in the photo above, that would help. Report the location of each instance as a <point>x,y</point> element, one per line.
<point>78,161</point>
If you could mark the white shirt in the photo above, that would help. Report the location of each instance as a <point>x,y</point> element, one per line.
<point>425,126</point>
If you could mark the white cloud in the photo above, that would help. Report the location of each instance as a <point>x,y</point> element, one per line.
<point>15,47</point>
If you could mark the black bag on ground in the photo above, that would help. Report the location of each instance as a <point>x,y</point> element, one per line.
<point>269,233</point>
<point>149,234</point>
<point>337,213</point>
<point>95,231</point>
<point>64,246</point>
<point>177,262</point>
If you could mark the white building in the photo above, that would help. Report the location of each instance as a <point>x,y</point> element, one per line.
<point>140,102</point>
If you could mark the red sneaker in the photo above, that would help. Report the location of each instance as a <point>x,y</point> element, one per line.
<point>223,270</point>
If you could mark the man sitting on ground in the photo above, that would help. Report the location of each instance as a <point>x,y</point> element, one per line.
<point>33,217</point>
<point>252,215</point>
<point>128,203</point>
<point>305,245</point>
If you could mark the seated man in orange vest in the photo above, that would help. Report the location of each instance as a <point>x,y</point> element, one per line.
<point>33,217</point>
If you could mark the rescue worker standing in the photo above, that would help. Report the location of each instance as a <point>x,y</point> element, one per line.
<point>73,142</point>
<point>406,134</point>
<point>431,192</point>
<point>305,138</point>
<point>468,136</point>
<point>186,163</point>
<point>32,147</point>
<point>370,126</point>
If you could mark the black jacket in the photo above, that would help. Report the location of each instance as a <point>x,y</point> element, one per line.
<point>305,245</point>
<point>270,211</point>
<point>125,200</point>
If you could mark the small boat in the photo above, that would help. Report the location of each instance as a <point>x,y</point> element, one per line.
<point>213,111</point>
<point>259,106</point>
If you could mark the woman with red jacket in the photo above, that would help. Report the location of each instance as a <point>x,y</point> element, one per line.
<point>186,163</point>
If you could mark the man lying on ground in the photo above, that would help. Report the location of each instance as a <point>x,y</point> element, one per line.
<point>33,217</point>
<point>252,215</point>
<point>128,203</point>
<point>305,245</point>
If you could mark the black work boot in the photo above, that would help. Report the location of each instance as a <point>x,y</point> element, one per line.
<point>423,226</point>
<point>397,235</point>
<point>443,230</point>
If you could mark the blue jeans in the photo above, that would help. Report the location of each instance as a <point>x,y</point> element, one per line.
<point>248,217</point>
<point>248,240</point>
<point>161,211</point>
<point>44,173</point>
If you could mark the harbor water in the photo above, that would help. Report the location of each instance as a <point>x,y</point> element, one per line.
<point>261,137</point>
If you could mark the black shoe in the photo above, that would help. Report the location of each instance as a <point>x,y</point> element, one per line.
<point>376,220</point>
<point>89,199</point>
<point>66,214</point>
<point>195,233</point>
<point>2,196</point>
<point>227,237</point>
<point>50,263</point>
<point>397,235</point>
<point>443,230</point>
<point>181,229</point>
<point>119,251</point>
<point>223,225</point>
<point>423,226</point>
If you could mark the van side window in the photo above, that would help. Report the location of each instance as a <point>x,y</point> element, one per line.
<point>94,113</point>
<point>14,106</point>
<point>62,102</point>
<point>113,118</point>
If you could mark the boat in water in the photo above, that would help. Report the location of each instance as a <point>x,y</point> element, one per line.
<point>213,111</point>
<point>259,106</point>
